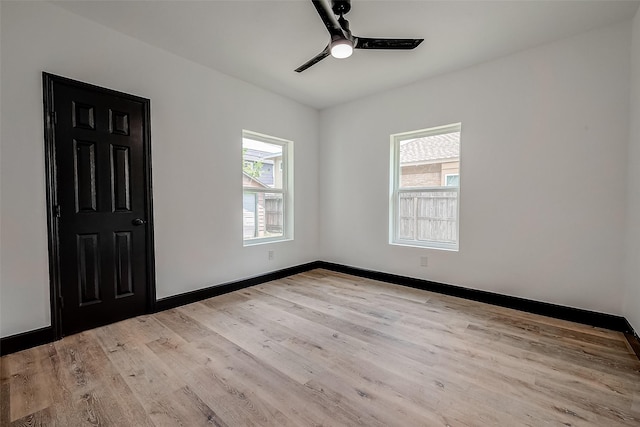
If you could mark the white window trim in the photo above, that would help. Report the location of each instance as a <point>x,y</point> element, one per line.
<point>286,190</point>
<point>395,190</point>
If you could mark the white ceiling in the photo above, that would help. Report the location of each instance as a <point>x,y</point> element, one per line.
<point>263,41</point>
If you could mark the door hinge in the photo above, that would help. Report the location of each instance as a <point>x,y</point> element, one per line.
<point>54,117</point>
<point>61,302</point>
<point>57,211</point>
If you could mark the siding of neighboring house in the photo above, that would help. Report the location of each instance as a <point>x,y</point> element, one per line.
<point>278,171</point>
<point>248,215</point>
<point>253,215</point>
<point>267,170</point>
<point>450,168</point>
<point>427,175</point>
<point>266,173</point>
<point>261,212</point>
<point>252,209</point>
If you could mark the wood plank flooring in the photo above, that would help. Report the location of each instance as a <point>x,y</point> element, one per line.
<point>322,348</point>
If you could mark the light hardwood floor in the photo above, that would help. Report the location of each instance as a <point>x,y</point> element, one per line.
<point>322,348</point>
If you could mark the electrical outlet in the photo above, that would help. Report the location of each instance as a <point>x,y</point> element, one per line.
<point>271,255</point>
<point>424,261</point>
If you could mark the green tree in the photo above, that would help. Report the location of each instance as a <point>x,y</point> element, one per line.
<point>253,169</point>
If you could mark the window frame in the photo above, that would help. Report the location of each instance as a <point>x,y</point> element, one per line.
<point>395,191</point>
<point>286,190</point>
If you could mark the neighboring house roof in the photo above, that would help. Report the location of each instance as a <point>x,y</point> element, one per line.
<point>261,184</point>
<point>256,155</point>
<point>273,156</point>
<point>430,148</point>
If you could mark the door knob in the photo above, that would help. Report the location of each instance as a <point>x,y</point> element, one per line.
<point>138,221</point>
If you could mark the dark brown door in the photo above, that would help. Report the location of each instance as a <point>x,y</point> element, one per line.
<point>101,205</point>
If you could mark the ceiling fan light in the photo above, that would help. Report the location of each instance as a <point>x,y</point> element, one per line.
<point>341,48</point>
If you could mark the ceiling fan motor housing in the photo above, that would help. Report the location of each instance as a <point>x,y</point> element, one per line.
<point>340,7</point>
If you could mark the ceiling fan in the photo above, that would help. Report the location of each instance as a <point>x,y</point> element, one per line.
<point>342,42</point>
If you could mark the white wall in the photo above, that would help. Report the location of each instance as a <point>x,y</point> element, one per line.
<point>550,226</point>
<point>632,299</point>
<point>196,123</point>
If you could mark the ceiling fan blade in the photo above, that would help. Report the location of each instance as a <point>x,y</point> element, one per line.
<point>404,44</point>
<point>319,57</point>
<point>327,18</point>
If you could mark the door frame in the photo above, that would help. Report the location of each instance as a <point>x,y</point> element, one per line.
<point>48,82</point>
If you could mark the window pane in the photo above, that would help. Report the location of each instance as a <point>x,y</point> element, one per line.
<point>266,180</point>
<point>425,183</point>
<point>261,164</point>
<point>428,216</point>
<point>263,215</point>
<point>427,161</point>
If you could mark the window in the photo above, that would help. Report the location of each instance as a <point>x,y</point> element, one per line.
<point>452,180</point>
<point>267,208</point>
<point>425,187</point>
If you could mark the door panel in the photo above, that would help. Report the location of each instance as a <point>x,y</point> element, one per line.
<point>88,250</point>
<point>123,264</point>
<point>84,162</point>
<point>102,184</point>
<point>120,173</point>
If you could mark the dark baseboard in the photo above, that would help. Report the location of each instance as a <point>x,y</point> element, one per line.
<point>212,291</point>
<point>37,337</point>
<point>25,340</point>
<point>633,339</point>
<point>592,318</point>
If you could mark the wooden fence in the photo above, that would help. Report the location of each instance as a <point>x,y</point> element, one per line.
<point>429,215</point>
<point>274,210</point>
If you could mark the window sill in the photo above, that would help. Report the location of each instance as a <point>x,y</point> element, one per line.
<point>426,246</point>
<point>257,242</point>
